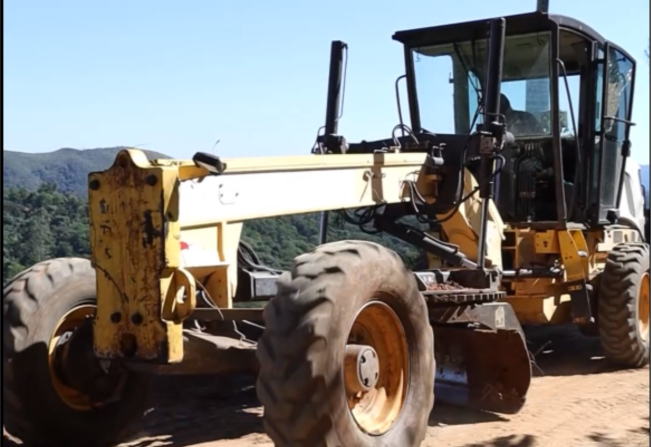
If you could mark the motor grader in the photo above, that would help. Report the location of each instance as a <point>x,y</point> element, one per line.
<point>522,223</point>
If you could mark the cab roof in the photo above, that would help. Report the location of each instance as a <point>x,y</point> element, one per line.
<point>478,29</point>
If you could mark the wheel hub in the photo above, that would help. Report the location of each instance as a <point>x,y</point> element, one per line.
<point>376,368</point>
<point>78,377</point>
<point>362,368</point>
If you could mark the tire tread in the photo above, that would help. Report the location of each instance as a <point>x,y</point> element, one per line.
<point>26,300</point>
<point>291,385</point>
<point>618,319</point>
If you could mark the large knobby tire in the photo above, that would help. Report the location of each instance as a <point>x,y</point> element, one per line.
<point>34,303</point>
<point>623,306</point>
<point>301,353</point>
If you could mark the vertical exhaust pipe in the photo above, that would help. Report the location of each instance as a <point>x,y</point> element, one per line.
<point>542,6</point>
<point>335,82</point>
<point>333,104</point>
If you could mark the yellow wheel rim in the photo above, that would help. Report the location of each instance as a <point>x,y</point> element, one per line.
<point>68,323</point>
<point>378,329</point>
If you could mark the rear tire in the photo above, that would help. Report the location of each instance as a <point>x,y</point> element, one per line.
<point>301,353</point>
<point>623,324</point>
<point>34,303</point>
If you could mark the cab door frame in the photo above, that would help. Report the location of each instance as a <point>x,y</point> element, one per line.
<point>605,200</point>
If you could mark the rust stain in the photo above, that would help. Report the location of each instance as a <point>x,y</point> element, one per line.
<point>129,242</point>
<point>449,285</point>
<point>150,233</point>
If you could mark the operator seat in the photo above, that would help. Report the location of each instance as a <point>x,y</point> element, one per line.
<point>519,122</point>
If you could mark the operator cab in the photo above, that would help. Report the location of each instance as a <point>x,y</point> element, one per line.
<point>564,117</point>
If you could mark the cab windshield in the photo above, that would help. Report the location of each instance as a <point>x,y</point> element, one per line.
<point>450,79</point>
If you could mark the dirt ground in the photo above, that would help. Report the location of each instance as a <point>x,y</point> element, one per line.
<point>574,401</point>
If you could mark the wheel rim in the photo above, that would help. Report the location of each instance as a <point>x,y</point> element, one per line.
<point>644,307</point>
<point>66,325</point>
<point>377,354</point>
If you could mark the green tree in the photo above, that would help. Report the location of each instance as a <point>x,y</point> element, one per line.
<point>46,223</point>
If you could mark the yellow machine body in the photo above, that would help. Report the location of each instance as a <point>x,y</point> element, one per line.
<point>142,210</point>
<point>581,253</point>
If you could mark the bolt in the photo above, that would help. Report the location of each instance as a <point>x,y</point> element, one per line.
<point>151,180</point>
<point>116,317</point>
<point>94,184</point>
<point>362,359</point>
<point>136,319</point>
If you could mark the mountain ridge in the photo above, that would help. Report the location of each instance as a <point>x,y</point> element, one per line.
<point>67,167</point>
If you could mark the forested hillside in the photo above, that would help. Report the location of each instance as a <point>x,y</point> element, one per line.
<point>46,223</point>
<point>41,224</point>
<point>67,168</point>
<point>42,219</point>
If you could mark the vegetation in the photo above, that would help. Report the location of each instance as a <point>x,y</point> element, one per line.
<point>47,223</point>
<point>45,215</point>
<point>278,240</point>
<point>67,168</point>
<point>41,224</point>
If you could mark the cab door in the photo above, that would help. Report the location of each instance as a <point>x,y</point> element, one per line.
<point>614,96</point>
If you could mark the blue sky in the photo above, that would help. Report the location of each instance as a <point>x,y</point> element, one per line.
<point>175,76</point>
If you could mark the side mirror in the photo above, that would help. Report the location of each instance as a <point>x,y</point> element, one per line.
<point>210,163</point>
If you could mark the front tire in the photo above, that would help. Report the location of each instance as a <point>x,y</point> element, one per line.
<point>624,305</point>
<point>335,299</point>
<point>42,307</point>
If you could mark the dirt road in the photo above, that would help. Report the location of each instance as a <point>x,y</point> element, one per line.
<point>574,401</point>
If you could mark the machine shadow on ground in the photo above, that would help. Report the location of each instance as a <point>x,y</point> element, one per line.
<point>556,351</point>
<point>192,410</point>
<point>605,440</point>
<point>595,439</point>
<point>563,351</point>
<point>444,414</point>
<point>508,441</point>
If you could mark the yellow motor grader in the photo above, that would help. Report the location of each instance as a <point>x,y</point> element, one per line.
<point>532,216</point>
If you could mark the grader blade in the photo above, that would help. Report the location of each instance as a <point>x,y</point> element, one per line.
<point>482,358</point>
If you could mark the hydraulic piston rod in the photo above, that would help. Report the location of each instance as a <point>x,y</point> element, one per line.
<point>492,131</point>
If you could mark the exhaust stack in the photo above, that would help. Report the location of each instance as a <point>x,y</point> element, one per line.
<point>331,141</point>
